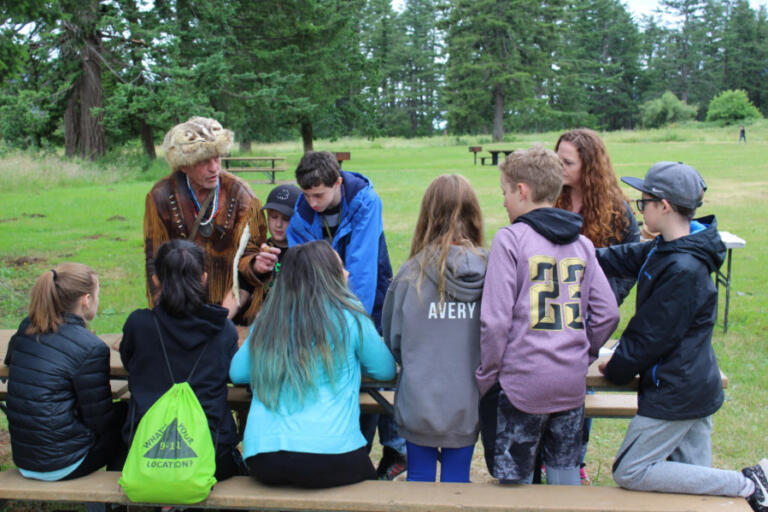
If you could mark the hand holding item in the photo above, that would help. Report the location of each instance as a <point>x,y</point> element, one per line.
<point>266,259</point>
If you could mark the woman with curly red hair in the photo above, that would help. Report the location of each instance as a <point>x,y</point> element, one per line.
<point>590,188</point>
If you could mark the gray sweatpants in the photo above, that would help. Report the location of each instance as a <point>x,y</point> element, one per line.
<point>674,456</point>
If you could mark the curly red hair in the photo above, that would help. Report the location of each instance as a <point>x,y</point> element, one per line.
<point>603,209</point>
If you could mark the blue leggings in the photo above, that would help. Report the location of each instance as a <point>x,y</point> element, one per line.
<point>454,463</point>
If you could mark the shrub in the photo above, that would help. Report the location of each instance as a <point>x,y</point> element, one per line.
<point>732,107</point>
<point>667,109</point>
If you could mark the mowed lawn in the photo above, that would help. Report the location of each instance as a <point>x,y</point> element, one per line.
<point>94,219</point>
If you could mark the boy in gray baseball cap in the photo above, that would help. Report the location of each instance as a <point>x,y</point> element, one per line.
<point>280,207</point>
<point>668,342</point>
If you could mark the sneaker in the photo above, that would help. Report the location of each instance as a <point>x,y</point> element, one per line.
<point>391,464</point>
<point>758,473</point>
<point>584,477</point>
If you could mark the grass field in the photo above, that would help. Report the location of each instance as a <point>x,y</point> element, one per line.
<point>53,210</point>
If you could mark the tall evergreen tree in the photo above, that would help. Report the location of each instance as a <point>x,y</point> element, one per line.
<point>599,65</point>
<point>421,66</point>
<point>745,53</point>
<point>686,45</point>
<point>500,52</point>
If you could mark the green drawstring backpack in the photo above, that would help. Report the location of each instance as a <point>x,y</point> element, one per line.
<point>172,459</point>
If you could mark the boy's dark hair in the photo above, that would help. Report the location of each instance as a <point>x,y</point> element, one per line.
<point>180,265</point>
<point>317,168</point>
<point>688,213</point>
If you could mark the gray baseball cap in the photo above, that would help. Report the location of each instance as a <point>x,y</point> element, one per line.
<point>680,184</point>
<point>283,199</point>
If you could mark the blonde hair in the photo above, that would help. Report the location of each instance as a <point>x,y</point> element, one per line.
<point>537,167</point>
<point>55,293</point>
<point>450,215</point>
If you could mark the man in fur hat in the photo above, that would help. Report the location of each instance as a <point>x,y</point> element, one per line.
<point>214,209</point>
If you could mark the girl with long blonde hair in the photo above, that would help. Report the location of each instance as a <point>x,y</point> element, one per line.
<point>431,322</point>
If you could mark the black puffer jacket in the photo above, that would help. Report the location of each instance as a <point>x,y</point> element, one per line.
<point>669,340</point>
<point>59,399</point>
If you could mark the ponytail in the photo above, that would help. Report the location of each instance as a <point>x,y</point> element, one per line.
<point>55,293</point>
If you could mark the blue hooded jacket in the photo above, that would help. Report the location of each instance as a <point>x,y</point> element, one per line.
<point>359,240</point>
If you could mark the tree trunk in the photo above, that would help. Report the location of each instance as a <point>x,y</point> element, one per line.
<point>83,128</point>
<point>306,135</point>
<point>245,145</point>
<point>71,122</point>
<point>93,141</point>
<point>498,114</point>
<point>147,138</point>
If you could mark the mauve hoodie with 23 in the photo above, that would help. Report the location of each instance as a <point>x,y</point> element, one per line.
<point>547,309</point>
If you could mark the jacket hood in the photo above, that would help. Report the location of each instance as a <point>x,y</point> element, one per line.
<point>464,273</point>
<point>558,226</point>
<point>192,330</point>
<point>704,243</point>
<point>353,184</point>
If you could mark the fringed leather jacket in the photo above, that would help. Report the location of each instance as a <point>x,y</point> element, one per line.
<point>170,213</point>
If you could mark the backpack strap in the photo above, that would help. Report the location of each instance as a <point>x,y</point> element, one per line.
<point>165,353</point>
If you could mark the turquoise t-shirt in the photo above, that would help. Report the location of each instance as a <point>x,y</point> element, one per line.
<point>329,421</point>
<point>51,476</point>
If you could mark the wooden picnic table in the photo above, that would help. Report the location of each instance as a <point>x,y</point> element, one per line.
<point>239,164</point>
<point>595,380</point>
<point>495,155</point>
<point>378,396</point>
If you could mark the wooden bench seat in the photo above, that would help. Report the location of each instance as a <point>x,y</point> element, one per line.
<point>372,496</point>
<point>599,405</point>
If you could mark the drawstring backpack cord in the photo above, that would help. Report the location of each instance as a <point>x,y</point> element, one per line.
<point>189,377</point>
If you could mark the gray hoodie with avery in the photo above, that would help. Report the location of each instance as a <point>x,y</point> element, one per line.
<point>437,344</point>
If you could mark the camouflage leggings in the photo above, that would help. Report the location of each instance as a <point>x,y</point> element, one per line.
<point>512,437</point>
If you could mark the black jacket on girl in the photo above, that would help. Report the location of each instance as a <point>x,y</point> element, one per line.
<point>59,399</point>
<point>185,338</point>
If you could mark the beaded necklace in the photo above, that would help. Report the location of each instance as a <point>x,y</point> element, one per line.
<point>215,208</point>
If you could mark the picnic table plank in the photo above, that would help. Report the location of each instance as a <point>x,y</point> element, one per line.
<point>594,378</point>
<point>242,492</point>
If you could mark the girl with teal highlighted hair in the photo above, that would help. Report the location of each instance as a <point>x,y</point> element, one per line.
<point>304,358</point>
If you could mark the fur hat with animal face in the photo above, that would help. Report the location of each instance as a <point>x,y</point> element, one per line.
<point>198,139</point>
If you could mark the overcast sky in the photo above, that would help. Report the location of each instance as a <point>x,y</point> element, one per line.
<point>638,7</point>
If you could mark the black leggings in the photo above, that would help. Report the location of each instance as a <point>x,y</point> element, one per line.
<point>312,470</point>
<point>109,450</point>
<point>229,463</point>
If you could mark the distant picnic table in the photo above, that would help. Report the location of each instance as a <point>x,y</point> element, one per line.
<point>495,155</point>
<point>265,164</point>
